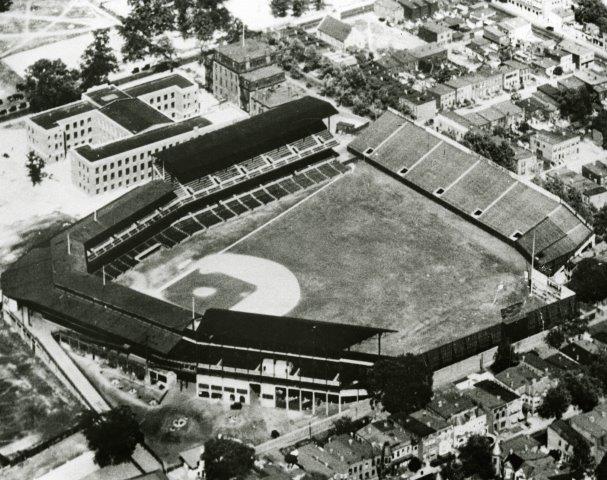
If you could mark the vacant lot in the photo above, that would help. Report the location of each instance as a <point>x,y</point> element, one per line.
<point>34,405</point>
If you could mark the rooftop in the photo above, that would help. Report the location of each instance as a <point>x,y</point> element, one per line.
<point>50,118</point>
<point>134,115</point>
<point>335,28</point>
<point>491,394</point>
<point>168,81</point>
<point>251,50</point>
<point>105,95</point>
<point>264,73</point>
<point>449,403</point>
<point>383,431</point>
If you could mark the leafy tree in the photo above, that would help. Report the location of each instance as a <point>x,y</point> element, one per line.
<point>584,390</point>
<point>279,7</point>
<point>555,337</point>
<point>555,403</point>
<point>581,462</point>
<point>505,356</point>
<point>499,151</point>
<point>225,459</point>
<point>342,425</point>
<point>571,196</point>
<point>5,5</point>
<point>601,469</point>
<point>598,370</point>
<point>452,470</point>
<point>98,61</point>
<point>577,105</point>
<point>146,22</point>
<point>591,11</point>
<point>599,123</point>
<point>35,167</point>
<point>600,220</point>
<point>402,384</point>
<point>414,464</point>
<point>207,17</point>
<point>48,84</point>
<point>113,436</point>
<point>298,7</point>
<point>589,280</point>
<point>319,4</point>
<point>475,457</point>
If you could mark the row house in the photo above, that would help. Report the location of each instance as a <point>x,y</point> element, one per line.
<point>397,443</point>
<point>527,383</point>
<point>555,148</point>
<point>502,406</point>
<point>434,433</point>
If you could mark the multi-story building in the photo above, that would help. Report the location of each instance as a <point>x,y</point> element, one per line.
<point>267,99</point>
<point>422,106</point>
<point>107,113</point>
<point>397,10</point>
<point>460,412</point>
<point>340,35</point>
<point>583,58</point>
<point>527,383</point>
<point>502,406</point>
<point>388,434</point>
<point>434,433</point>
<point>593,427</point>
<point>444,94</point>
<point>434,32</point>
<point>597,172</point>
<point>244,68</point>
<point>555,148</point>
<point>128,161</point>
<point>562,437</point>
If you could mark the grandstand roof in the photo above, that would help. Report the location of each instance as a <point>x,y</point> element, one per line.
<point>134,115</point>
<point>146,138</point>
<point>280,333</point>
<point>511,209</point>
<point>267,131</point>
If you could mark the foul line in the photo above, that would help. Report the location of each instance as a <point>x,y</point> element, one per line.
<point>181,276</point>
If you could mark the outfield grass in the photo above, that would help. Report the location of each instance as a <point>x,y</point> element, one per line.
<point>365,250</point>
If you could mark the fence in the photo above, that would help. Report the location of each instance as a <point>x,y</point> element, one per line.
<point>355,411</point>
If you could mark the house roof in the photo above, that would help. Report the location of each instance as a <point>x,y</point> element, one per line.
<point>134,115</point>
<point>448,403</point>
<point>335,28</point>
<point>564,429</point>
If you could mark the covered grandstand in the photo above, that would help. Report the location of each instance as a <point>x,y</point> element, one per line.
<point>535,222</point>
<point>69,279</point>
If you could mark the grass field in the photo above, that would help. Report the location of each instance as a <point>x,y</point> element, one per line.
<point>367,250</point>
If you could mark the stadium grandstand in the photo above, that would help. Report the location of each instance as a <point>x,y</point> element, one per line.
<point>231,356</point>
<point>544,229</point>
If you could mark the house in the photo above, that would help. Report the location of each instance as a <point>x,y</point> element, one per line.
<point>571,83</point>
<point>502,406</point>
<point>512,114</point>
<point>562,58</point>
<point>460,412</point>
<point>597,172</point>
<point>561,436</point>
<point>342,457</point>
<point>546,66</point>
<point>462,87</point>
<point>496,35</point>
<point>434,433</point>
<point>583,351</point>
<point>583,58</point>
<point>558,149</point>
<point>431,52</point>
<point>453,124</point>
<point>527,383</point>
<point>516,28</point>
<point>534,108</point>
<point>434,32</point>
<point>340,35</point>
<point>523,458</point>
<point>401,444</point>
<point>389,9</point>
<point>593,427</point>
<point>422,106</point>
<point>444,95</point>
<point>527,164</point>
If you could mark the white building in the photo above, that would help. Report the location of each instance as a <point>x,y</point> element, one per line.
<point>340,35</point>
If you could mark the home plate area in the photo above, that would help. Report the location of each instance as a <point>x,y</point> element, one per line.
<point>236,282</point>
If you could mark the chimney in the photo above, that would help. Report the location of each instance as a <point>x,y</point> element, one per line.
<point>440,403</point>
<point>350,441</point>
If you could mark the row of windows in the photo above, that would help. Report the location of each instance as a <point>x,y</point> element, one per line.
<point>116,185</point>
<point>82,132</point>
<point>126,171</point>
<point>75,124</point>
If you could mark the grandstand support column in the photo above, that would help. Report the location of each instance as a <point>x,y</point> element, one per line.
<point>379,343</point>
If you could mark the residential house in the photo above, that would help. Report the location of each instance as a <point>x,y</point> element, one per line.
<point>582,350</point>
<point>502,406</point>
<point>583,58</point>
<point>571,83</point>
<point>434,433</point>
<point>453,124</point>
<point>460,412</point>
<point>597,172</point>
<point>494,34</point>
<point>561,436</point>
<point>562,58</point>
<point>527,383</point>
<point>524,458</point>
<point>422,106</point>
<point>400,444</point>
<point>558,149</point>
<point>462,87</point>
<point>593,427</point>
<point>527,164</point>
<point>435,32</point>
<point>444,95</point>
<point>340,35</point>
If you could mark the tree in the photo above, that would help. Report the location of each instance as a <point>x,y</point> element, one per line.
<point>319,4</point>
<point>98,61</point>
<point>499,151</point>
<point>113,435</point>
<point>414,464</point>
<point>505,356</point>
<point>598,370</point>
<point>570,195</point>
<point>342,425</point>
<point>452,470</point>
<point>584,390</point>
<point>48,84</point>
<point>35,167</point>
<point>581,462</point>
<point>5,5</point>
<point>225,459</point>
<point>589,280</point>
<point>402,384</point>
<point>601,469</point>
<point>279,7</point>
<point>555,403</point>
<point>577,105</point>
<point>555,337</point>
<point>298,7</point>
<point>599,123</point>
<point>475,457</point>
<point>600,220</point>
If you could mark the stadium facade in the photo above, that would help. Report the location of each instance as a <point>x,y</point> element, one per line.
<point>235,356</point>
<point>231,356</point>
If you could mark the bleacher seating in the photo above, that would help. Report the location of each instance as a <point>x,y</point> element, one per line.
<point>207,218</point>
<point>222,212</point>
<point>189,226</point>
<point>236,206</point>
<point>254,163</point>
<point>325,136</point>
<point>228,174</point>
<point>328,171</point>
<point>304,143</point>
<point>315,175</point>
<point>279,153</point>
<point>174,234</point>
<point>276,191</point>
<point>289,185</point>
<point>262,196</point>
<point>302,180</point>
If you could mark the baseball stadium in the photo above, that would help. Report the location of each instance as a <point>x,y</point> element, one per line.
<point>262,265</point>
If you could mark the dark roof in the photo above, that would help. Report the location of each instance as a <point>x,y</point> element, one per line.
<point>497,390</point>
<point>174,80</point>
<point>263,73</point>
<point>106,95</point>
<point>335,28</point>
<point>49,119</point>
<point>267,131</point>
<point>448,403</point>
<point>251,50</point>
<point>280,333</point>
<point>562,362</point>
<point>143,139</point>
<point>134,115</point>
<point>417,428</point>
<point>566,431</point>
